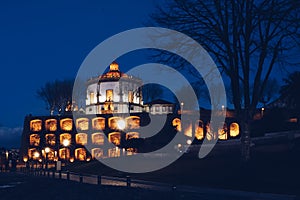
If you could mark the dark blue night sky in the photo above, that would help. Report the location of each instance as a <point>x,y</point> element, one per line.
<point>47,40</point>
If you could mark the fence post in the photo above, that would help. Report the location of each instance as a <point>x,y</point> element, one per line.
<point>59,175</point>
<point>128,181</point>
<point>99,179</point>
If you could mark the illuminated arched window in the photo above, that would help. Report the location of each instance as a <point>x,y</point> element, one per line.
<point>222,131</point>
<point>32,154</point>
<point>80,154</point>
<point>234,129</point>
<point>50,139</point>
<point>64,153</point>
<point>50,155</point>
<point>66,124</point>
<point>114,152</point>
<point>115,138</point>
<point>51,124</point>
<point>98,138</point>
<point>131,151</point>
<point>109,95</point>
<point>187,128</point>
<point>36,125</point>
<point>132,135</point>
<point>210,135</point>
<point>199,131</point>
<point>82,124</point>
<point>97,153</point>
<point>63,137</point>
<point>81,138</point>
<point>177,124</point>
<point>133,122</point>
<point>98,123</point>
<point>116,123</point>
<point>34,139</point>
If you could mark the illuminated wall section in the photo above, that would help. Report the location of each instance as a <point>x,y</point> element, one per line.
<point>36,125</point>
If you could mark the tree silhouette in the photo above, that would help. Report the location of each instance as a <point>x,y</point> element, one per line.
<point>246,39</point>
<point>290,91</point>
<point>57,95</point>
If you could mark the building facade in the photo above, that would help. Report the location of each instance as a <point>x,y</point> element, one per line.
<point>114,114</point>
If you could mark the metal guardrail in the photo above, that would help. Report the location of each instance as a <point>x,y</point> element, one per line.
<point>129,182</point>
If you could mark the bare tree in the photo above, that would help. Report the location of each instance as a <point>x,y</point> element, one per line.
<point>57,95</point>
<point>246,39</point>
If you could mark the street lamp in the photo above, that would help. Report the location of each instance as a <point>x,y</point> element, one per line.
<point>66,143</point>
<point>36,156</point>
<point>47,150</point>
<point>181,109</point>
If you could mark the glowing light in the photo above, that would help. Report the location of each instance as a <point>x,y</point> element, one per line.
<point>234,129</point>
<point>121,124</point>
<point>36,154</point>
<point>25,159</point>
<point>47,149</point>
<point>71,160</point>
<point>66,142</point>
<point>189,142</point>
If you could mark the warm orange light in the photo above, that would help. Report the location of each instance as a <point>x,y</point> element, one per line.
<point>36,154</point>
<point>234,129</point>
<point>177,124</point>
<point>25,159</point>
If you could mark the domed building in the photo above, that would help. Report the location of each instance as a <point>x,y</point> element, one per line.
<point>114,92</point>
